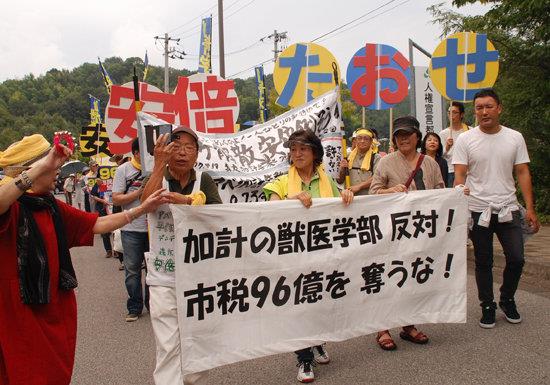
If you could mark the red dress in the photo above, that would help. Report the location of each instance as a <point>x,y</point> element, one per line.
<point>37,342</point>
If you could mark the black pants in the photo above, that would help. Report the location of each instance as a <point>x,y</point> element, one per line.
<point>87,202</point>
<point>107,236</point>
<point>511,238</point>
<point>305,355</point>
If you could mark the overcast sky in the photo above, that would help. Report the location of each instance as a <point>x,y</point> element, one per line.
<point>38,35</point>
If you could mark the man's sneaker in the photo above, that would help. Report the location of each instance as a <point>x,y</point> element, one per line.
<point>131,317</point>
<point>488,316</point>
<point>305,371</point>
<point>321,355</point>
<point>510,311</point>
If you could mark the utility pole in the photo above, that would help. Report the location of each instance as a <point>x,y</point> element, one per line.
<point>220,33</point>
<point>169,53</point>
<point>277,37</point>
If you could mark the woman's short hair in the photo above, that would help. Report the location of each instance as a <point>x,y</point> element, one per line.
<point>439,151</point>
<point>407,124</point>
<point>308,138</point>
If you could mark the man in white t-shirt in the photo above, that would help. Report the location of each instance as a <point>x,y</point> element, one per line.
<point>450,135</point>
<point>486,159</point>
<point>127,190</point>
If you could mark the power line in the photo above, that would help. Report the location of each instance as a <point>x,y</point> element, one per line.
<point>249,68</point>
<point>193,19</point>
<point>354,20</point>
<point>364,21</point>
<point>244,6</point>
<point>193,30</point>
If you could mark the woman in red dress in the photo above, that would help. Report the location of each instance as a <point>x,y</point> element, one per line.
<point>37,301</point>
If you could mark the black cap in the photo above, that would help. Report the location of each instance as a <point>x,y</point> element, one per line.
<point>406,124</point>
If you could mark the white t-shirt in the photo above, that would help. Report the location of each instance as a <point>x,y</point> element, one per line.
<point>446,134</point>
<point>490,159</point>
<point>125,173</point>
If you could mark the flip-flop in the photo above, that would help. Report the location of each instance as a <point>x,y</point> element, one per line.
<point>420,337</point>
<point>386,343</point>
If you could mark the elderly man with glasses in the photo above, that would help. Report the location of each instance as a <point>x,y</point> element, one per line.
<point>174,171</point>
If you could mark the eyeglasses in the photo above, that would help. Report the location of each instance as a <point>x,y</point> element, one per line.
<point>187,148</point>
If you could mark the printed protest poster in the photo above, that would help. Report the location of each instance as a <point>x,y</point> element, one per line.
<point>241,163</point>
<point>270,277</point>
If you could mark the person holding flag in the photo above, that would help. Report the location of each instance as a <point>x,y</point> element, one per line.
<point>306,179</point>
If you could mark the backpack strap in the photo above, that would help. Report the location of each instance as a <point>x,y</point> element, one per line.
<point>131,181</point>
<point>418,164</point>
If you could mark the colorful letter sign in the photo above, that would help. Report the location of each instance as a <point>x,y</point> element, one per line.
<point>206,103</point>
<point>303,72</point>
<point>378,76</point>
<point>463,64</point>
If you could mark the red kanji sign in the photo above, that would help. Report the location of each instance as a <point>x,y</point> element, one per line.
<point>206,103</point>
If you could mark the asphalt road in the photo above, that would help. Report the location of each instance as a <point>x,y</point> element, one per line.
<point>113,352</point>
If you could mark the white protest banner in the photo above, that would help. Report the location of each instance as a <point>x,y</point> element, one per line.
<point>262,278</point>
<point>428,102</point>
<point>243,162</point>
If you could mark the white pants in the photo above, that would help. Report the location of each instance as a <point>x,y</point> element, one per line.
<point>164,318</point>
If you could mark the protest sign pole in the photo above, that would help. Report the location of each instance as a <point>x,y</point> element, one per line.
<point>391,128</point>
<point>347,180</point>
<point>307,74</point>
<point>363,118</point>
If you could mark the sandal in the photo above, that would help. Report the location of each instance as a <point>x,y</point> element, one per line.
<point>386,343</point>
<point>420,338</point>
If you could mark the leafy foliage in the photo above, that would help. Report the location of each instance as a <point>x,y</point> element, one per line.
<point>58,100</point>
<point>520,31</point>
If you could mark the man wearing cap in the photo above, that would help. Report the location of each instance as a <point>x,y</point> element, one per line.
<point>37,278</point>
<point>449,136</point>
<point>127,189</point>
<point>174,171</point>
<point>486,159</point>
<point>361,162</point>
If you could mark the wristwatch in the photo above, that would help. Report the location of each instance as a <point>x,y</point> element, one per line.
<point>23,182</point>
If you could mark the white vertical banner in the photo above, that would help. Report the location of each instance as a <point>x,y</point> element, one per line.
<point>254,279</point>
<point>428,102</point>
